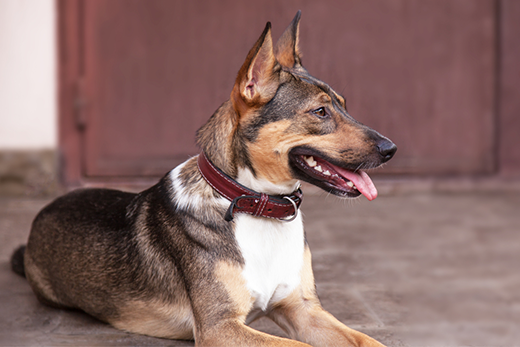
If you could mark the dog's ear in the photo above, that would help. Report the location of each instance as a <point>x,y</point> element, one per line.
<point>258,79</point>
<point>287,51</point>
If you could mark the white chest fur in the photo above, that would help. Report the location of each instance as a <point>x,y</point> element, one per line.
<point>273,253</point>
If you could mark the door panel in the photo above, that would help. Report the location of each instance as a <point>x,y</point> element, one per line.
<point>420,72</point>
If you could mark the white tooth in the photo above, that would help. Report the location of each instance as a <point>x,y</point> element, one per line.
<point>318,168</point>
<point>327,172</point>
<point>350,184</point>
<point>310,160</point>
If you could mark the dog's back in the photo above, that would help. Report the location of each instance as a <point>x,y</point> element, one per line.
<point>75,238</point>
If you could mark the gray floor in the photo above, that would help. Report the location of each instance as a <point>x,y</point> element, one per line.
<point>420,269</point>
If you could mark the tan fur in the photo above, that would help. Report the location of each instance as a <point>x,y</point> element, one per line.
<point>303,318</point>
<point>235,285</point>
<point>156,318</point>
<point>257,80</point>
<point>287,50</point>
<point>270,152</point>
<point>217,130</point>
<point>235,333</point>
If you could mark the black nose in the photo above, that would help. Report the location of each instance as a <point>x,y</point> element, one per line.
<point>386,149</point>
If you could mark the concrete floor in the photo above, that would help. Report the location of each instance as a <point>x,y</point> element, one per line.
<point>420,269</point>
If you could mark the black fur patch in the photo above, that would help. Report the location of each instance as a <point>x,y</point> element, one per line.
<point>17,261</point>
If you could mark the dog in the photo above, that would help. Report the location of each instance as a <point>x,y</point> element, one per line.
<point>218,242</point>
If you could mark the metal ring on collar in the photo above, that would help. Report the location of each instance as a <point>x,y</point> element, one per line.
<point>293,217</point>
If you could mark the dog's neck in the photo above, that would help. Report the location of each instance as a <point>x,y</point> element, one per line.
<point>245,200</point>
<point>217,139</point>
<point>246,178</point>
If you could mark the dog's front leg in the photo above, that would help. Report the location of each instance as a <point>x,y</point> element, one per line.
<point>302,317</point>
<point>312,324</point>
<point>220,302</point>
<point>233,332</point>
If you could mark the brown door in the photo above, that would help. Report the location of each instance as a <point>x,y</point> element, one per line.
<point>149,73</point>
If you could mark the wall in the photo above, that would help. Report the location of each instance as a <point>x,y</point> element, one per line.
<point>508,89</point>
<point>28,100</point>
<point>27,74</point>
<point>28,92</point>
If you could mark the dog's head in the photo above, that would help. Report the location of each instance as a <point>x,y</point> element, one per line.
<point>286,125</point>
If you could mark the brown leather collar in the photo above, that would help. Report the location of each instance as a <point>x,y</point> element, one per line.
<point>245,200</point>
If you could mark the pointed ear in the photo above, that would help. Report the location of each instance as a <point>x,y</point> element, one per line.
<point>258,79</point>
<point>287,51</point>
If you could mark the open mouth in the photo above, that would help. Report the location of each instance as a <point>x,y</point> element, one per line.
<point>332,178</point>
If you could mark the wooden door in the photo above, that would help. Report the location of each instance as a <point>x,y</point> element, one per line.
<point>139,77</point>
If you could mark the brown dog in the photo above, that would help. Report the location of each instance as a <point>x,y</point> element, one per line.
<point>218,242</point>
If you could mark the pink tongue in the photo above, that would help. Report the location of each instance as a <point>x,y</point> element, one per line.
<point>362,182</point>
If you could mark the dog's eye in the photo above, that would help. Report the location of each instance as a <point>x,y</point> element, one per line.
<point>320,112</point>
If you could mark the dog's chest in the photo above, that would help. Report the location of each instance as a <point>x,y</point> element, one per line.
<point>273,254</point>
